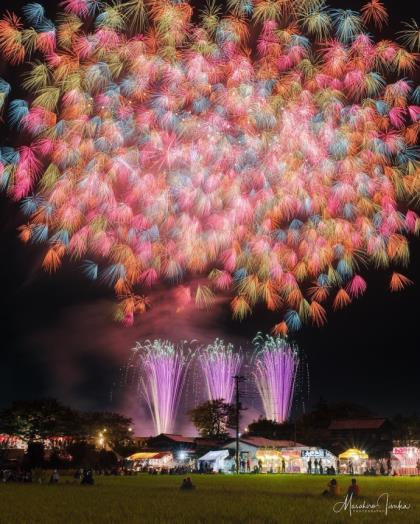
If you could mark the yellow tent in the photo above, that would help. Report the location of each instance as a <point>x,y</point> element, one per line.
<point>353,454</point>
<point>143,455</point>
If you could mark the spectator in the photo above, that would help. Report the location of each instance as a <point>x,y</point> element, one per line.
<point>187,484</point>
<point>333,489</point>
<point>309,466</point>
<point>87,478</point>
<point>354,490</point>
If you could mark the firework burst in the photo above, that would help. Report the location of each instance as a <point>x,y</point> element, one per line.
<point>162,376</point>
<point>219,364</point>
<point>157,149</point>
<point>276,362</point>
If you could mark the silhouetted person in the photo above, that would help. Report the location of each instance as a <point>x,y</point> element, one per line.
<point>187,484</point>
<point>309,466</point>
<point>354,489</point>
<point>338,466</point>
<point>315,466</point>
<point>87,477</point>
<point>333,489</point>
<point>283,466</point>
<point>351,469</point>
<point>321,467</point>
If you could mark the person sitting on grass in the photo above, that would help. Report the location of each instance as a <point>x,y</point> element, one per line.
<point>333,489</point>
<point>87,478</point>
<point>354,489</point>
<point>187,484</point>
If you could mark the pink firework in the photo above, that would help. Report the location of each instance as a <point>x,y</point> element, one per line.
<point>276,362</point>
<point>156,149</point>
<point>220,363</point>
<point>163,368</point>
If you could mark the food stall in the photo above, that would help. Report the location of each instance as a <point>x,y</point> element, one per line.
<point>150,459</point>
<point>270,460</point>
<point>328,459</point>
<point>406,460</point>
<point>353,461</point>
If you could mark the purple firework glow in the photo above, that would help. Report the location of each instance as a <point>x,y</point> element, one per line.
<point>276,363</point>
<point>163,371</point>
<point>220,364</point>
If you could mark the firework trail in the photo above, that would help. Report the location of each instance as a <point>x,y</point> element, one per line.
<point>219,364</point>
<point>163,369</point>
<point>156,149</point>
<point>276,364</point>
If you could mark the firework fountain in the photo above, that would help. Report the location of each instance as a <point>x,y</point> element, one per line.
<point>163,369</point>
<point>156,144</point>
<point>219,363</point>
<point>276,362</point>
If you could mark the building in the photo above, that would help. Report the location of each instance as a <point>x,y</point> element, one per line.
<point>371,434</point>
<point>181,447</point>
<point>263,453</point>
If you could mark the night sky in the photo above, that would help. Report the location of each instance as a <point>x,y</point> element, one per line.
<point>59,339</point>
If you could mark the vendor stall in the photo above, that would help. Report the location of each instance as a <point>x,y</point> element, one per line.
<point>269,460</point>
<point>406,460</point>
<point>150,459</point>
<point>215,461</point>
<point>353,461</point>
<point>319,459</point>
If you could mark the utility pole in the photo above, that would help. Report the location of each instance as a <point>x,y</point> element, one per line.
<point>237,378</point>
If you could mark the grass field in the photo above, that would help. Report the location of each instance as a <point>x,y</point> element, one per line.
<point>217,499</point>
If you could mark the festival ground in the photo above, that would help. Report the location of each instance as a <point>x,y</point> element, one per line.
<point>222,499</point>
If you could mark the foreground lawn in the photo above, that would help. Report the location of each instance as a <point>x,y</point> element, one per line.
<point>216,499</point>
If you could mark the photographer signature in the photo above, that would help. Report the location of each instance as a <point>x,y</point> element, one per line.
<point>382,505</point>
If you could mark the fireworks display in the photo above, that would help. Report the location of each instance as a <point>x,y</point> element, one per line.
<point>276,364</point>
<point>162,376</point>
<point>266,152</point>
<point>220,363</point>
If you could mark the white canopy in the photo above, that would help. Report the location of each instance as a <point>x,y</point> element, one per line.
<point>212,456</point>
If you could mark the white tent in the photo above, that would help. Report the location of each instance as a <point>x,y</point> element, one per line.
<point>215,459</point>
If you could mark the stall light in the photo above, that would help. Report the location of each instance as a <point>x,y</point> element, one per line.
<point>182,455</point>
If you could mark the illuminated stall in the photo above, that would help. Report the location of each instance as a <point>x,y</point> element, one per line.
<point>328,460</point>
<point>150,459</point>
<point>215,461</point>
<point>406,460</point>
<point>353,461</point>
<point>270,460</point>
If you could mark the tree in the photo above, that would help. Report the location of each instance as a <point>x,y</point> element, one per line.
<point>34,420</point>
<point>107,459</point>
<point>39,420</point>
<point>270,429</point>
<point>34,456</point>
<point>83,454</point>
<point>213,418</point>
<point>112,428</point>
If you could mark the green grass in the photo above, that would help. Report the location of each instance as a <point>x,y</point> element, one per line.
<point>217,499</point>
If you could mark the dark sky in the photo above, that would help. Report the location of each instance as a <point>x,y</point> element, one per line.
<point>58,337</point>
